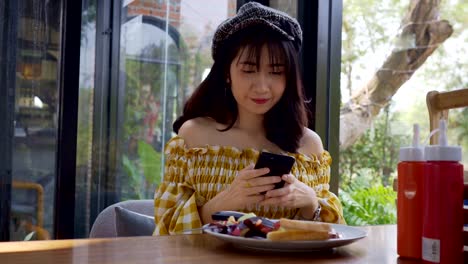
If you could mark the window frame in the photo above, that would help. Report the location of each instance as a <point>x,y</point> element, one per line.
<point>321,22</point>
<point>68,86</point>
<point>106,101</point>
<point>8,30</point>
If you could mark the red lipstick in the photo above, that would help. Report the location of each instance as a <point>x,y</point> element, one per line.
<point>260,101</point>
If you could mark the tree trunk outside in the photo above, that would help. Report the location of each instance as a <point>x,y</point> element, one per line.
<point>421,33</point>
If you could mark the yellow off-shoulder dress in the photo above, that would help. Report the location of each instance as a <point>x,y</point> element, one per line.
<point>193,176</point>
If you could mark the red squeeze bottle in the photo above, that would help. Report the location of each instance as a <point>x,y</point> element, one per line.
<point>442,240</point>
<point>410,198</point>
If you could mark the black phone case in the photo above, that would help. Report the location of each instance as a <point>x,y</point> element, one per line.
<point>224,215</point>
<point>278,165</point>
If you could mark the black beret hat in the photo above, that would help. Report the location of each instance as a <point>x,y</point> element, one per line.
<point>253,13</point>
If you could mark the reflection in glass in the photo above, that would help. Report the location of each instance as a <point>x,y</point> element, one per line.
<point>85,119</point>
<point>160,65</point>
<point>36,98</point>
<point>287,6</point>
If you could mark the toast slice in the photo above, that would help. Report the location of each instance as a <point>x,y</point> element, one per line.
<point>291,230</point>
<point>296,234</point>
<point>305,225</point>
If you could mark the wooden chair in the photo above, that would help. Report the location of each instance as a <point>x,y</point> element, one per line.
<point>39,196</point>
<point>40,232</point>
<point>439,104</point>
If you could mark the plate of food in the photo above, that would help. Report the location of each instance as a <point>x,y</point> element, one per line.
<point>258,233</point>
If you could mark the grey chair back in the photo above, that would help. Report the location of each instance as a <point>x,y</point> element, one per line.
<point>105,223</point>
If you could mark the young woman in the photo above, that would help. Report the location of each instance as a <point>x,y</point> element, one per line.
<point>251,101</point>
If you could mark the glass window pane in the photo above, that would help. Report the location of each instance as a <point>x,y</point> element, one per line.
<point>160,66</point>
<point>85,119</point>
<point>287,6</point>
<point>36,104</point>
<point>377,82</point>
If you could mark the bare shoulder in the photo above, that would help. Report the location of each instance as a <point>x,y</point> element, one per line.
<point>311,143</point>
<point>196,132</point>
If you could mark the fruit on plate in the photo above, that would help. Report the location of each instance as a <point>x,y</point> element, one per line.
<point>249,225</point>
<point>252,226</point>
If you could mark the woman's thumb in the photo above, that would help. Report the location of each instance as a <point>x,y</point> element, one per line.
<point>289,178</point>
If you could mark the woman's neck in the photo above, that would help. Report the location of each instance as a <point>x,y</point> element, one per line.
<point>251,124</point>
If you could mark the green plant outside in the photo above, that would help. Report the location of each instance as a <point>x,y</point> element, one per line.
<point>367,171</point>
<point>373,205</point>
<point>144,172</point>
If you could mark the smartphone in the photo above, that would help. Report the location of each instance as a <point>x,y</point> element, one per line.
<point>278,165</point>
<point>224,215</point>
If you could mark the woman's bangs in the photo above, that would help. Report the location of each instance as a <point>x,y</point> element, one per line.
<point>277,54</point>
<point>253,51</point>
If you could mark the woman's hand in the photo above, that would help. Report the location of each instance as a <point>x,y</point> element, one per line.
<point>244,190</point>
<point>294,194</point>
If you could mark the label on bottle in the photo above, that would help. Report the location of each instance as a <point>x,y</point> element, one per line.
<point>431,249</point>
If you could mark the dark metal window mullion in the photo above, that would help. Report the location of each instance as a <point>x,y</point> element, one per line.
<point>68,82</point>
<point>334,89</point>
<point>8,39</point>
<point>321,64</point>
<point>100,142</point>
<point>328,81</point>
<point>116,111</point>
<point>307,17</point>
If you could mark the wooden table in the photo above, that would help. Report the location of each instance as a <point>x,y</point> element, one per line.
<point>378,247</point>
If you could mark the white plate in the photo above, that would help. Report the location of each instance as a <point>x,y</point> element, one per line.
<point>349,234</point>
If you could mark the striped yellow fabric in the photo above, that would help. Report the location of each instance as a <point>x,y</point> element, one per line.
<point>195,175</point>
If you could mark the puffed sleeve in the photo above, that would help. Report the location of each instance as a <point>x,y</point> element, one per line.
<point>175,206</point>
<point>315,172</point>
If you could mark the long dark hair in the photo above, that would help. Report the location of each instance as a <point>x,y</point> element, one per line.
<point>284,123</point>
